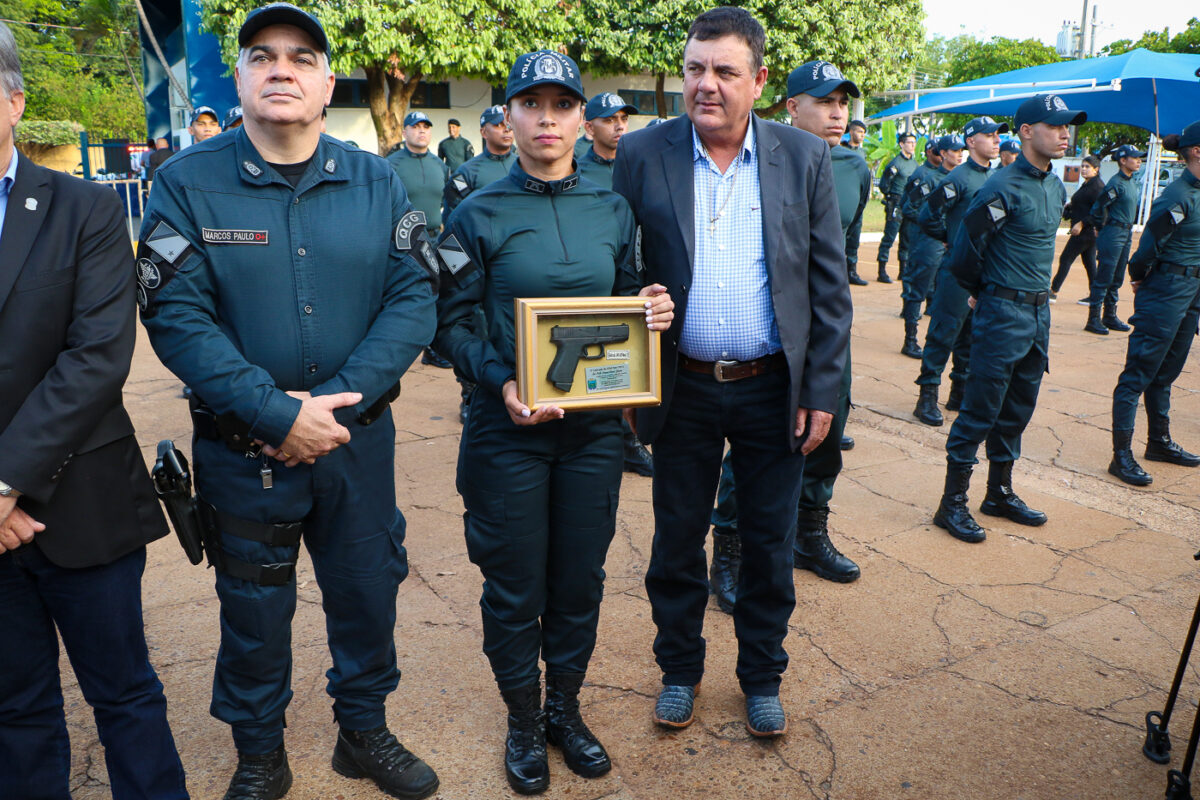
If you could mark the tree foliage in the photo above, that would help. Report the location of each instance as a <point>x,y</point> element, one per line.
<point>1186,41</point>
<point>999,54</point>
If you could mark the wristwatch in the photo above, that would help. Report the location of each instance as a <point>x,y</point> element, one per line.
<point>7,491</point>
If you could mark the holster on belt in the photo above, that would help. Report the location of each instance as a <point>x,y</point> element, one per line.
<point>173,485</point>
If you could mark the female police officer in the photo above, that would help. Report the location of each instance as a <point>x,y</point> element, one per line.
<point>1165,274</point>
<point>540,487</point>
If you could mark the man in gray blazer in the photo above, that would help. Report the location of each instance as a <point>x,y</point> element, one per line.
<point>739,221</point>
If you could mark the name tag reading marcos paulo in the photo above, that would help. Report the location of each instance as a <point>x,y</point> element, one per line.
<point>586,353</point>
<point>223,236</point>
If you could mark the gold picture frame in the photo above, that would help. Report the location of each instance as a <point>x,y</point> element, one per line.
<point>617,359</point>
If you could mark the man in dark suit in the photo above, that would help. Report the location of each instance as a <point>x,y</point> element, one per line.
<point>76,503</point>
<point>736,221</point>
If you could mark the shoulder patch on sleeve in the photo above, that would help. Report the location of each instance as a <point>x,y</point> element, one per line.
<point>453,257</point>
<point>161,255</point>
<point>460,183</point>
<point>166,242</point>
<point>949,191</point>
<point>924,188</point>
<point>409,224</point>
<point>1177,213</point>
<point>996,210</point>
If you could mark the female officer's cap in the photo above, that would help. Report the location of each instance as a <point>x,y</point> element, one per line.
<point>544,67</point>
<point>1191,135</point>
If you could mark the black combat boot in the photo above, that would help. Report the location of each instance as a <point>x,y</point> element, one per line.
<point>927,405</point>
<point>378,755</point>
<point>1160,446</point>
<point>565,729</point>
<point>525,763</point>
<point>260,777</point>
<point>1111,320</point>
<point>955,398</point>
<point>725,569</point>
<point>911,348</point>
<point>432,358</point>
<point>1123,464</point>
<point>856,279</point>
<point>952,513</point>
<point>847,443</point>
<point>1002,501</point>
<point>814,552</point>
<point>1094,322</point>
<point>883,276</point>
<point>637,457</point>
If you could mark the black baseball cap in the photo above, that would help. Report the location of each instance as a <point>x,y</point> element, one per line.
<point>606,104</point>
<point>1127,151</point>
<point>1010,146</point>
<point>1190,137</point>
<point>819,78</point>
<point>416,118</point>
<point>492,115</point>
<point>1048,108</point>
<point>951,141</point>
<point>544,67</point>
<point>231,116</point>
<point>200,111</point>
<point>282,14</point>
<point>984,125</point>
<point>932,144</point>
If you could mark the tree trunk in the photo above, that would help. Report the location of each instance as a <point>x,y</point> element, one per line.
<point>388,97</point>
<point>660,94</point>
<point>187,100</point>
<point>770,111</point>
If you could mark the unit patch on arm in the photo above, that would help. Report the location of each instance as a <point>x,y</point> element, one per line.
<point>160,256</point>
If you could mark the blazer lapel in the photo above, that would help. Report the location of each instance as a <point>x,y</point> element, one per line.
<point>677,164</point>
<point>770,161</point>
<point>28,202</point>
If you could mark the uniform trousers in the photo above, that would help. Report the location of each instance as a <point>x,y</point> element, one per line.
<point>949,332</point>
<point>895,225</point>
<point>752,414</point>
<point>1166,310</point>
<point>1083,247</point>
<point>541,511</point>
<point>924,257</point>
<point>1112,253</point>
<point>354,535</point>
<point>1009,355</point>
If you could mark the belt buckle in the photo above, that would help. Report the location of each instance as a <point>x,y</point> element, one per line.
<point>719,370</point>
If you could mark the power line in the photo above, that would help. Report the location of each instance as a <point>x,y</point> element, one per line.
<point>42,24</point>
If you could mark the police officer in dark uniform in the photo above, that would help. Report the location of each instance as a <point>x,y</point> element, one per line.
<point>492,164</point>
<point>1002,255</point>
<point>286,278</point>
<point>233,119</point>
<point>606,120</point>
<point>856,133</point>
<point>892,181</point>
<point>1082,241</point>
<point>1113,215</point>
<point>924,252</point>
<point>1009,150</point>
<point>1165,276</point>
<point>540,486</point>
<point>949,315</point>
<point>455,150</point>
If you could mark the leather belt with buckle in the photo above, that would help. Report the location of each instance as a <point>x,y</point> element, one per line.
<point>726,371</point>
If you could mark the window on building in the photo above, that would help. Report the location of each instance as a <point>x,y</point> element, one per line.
<point>431,95</point>
<point>498,95</point>
<point>352,93</point>
<point>646,102</point>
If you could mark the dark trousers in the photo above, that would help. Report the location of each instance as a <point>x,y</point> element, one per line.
<point>753,415</point>
<point>1166,310</point>
<point>1112,253</point>
<point>1082,246</point>
<point>949,316</point>
<point>894,226</point>
<point>98,612</point>
<point>1009,355</point>
<point>541,512</point>
<point>924,257</point>
<point>853,235</point>
<point>355,536</point>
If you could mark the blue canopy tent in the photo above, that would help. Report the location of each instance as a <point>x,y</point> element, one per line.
<point>1159,92</point>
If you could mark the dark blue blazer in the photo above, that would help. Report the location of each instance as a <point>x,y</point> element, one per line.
<point>804,245</point>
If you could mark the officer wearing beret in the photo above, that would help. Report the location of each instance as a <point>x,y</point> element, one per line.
<point>286,278</point>
<point>924,252</point>
<point>492,164</point>
<point>1165,276</point>
<point>455,150</point>
<point>233,119</point>
<point>606,120</point>
<point>892,181</point>
<point>540,486</point>
<point>1113,215</point>
<point>1002,256</point>
<point>949,315</point>
<point>1009,150</point>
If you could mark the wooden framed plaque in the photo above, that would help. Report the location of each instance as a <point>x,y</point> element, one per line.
<point>586,353</point>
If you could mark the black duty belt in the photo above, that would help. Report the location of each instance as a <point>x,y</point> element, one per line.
<point>1180,269</point>
<point>1126,226</point>
<point>726,371</point>
<point>1017,296</point>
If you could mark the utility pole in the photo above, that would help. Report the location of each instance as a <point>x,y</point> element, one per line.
<point>1083,31</point>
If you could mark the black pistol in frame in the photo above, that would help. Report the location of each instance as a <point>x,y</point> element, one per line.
<point>573,344</point>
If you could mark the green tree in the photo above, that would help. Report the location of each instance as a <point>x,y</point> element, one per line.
<point>397,45</point>
<point>1186,41</point>
<point>999,54</point>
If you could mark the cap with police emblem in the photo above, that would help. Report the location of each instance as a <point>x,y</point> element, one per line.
<point>232,116</point>
<point>1190,136</point>
<point>282,14</point>
<point>416,118</point>
<point>1010,146</point>
<point>1127,151</point>
<point>607,104</point>
<point>655,121</point>
<point>819,78</point>
<point>1048,108</point>
<point>544,67</point>
<point>492,115</point>
<point>984,125</point>
<point>951,141</point>
<point>931,144</point>
<point>200,111</point>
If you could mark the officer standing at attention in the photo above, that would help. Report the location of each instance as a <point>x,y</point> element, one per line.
<point>924,253</point>
<point>857,132</point>
<point>540,486</point>
<point>1165,276</point>
<point>606,120</point>
<point>205,124</point>
<point>892,181</point>
<point>286,278</point>
<point>1113,215</point>
<point>949,315</point>
<point>492,164</point>
<point>1009,150</point>
<point>454,149</point>
<point>1002,255</point>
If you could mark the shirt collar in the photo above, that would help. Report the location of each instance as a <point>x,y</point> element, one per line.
<point>10,176</point>
<point>494,156</point>
<point>978,167</point>
<point>1190,178</point>
<point>253,167</point>
<point>698,149</point>
<point>594,156</point>
<point>538,186</point>
<point>1023,165</point>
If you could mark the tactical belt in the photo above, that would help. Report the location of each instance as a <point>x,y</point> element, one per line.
<point>726,371</point>
<point>1027,298</point>
<point>279,534</point>
<point>1180,269</point>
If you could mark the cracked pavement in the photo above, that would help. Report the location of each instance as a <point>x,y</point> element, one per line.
<point>1018,668</point>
